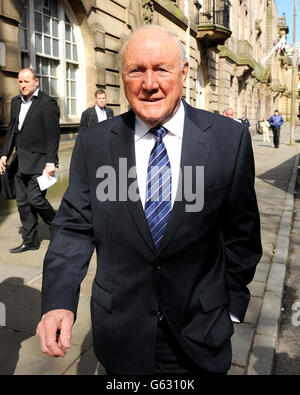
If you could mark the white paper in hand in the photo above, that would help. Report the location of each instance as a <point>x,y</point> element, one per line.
<point>44,181</point>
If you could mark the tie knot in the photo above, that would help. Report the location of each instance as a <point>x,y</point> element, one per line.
<point>159,132</point>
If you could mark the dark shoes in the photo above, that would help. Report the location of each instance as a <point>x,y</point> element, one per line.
<point>24,247</point>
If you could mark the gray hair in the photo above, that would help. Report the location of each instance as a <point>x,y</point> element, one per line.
<point>169,32</point>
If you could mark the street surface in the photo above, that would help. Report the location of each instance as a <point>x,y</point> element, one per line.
<point>287,357</point>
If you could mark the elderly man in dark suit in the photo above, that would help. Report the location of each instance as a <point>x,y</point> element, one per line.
<point>34,131</point>
<point>98,113</point>
<point>165,193</point>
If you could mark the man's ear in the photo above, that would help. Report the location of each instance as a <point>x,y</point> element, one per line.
<point>185,70</point>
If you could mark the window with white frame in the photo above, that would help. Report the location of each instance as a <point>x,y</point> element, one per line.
<point>48,44</point>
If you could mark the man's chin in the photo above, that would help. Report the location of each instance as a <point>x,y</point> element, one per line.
<point>152,121</point>
<point>152,118</point>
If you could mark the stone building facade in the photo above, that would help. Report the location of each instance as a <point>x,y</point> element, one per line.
<point>74,46</point>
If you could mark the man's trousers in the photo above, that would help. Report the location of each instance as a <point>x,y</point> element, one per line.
<point>31,201</point>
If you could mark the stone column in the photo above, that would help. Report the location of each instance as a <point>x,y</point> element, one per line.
<point>11,13</point>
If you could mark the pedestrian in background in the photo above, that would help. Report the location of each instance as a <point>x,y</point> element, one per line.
<point>229,113</point>
<point>98,113</point>
<point>34,131</point>
<point>245,121</point>
<point>265,128</point>
<point>275,122</point>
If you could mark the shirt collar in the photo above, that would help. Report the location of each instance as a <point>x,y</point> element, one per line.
<point>36,92</point>
<point>173,125</point>
<point>99,109</point>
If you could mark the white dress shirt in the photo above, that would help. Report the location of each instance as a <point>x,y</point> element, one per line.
<point>101,113</point>
<point>144,143</point>
<point>25,105</point>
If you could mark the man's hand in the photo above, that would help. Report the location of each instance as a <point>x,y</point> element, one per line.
<point>55,332</point>
<point>3,161</point>
<point>50,170</point>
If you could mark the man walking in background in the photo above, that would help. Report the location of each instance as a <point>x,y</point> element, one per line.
<point>98,113</point>
<point>229,113</point>
<point>34,131</point>
<point>275,122</point>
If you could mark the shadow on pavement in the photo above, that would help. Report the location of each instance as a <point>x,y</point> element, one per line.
<point>89,364</point>
<point>279,176</point>
<point>22,308</point>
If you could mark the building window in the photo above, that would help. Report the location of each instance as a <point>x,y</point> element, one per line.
<point>71,89</point>
<point>48,44</point>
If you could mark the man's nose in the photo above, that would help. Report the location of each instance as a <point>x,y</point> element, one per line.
<point>150,82</point>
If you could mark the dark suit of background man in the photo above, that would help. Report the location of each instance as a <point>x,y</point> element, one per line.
<point>34,131</point>
<point>166,304</point>
<point>98,113</point>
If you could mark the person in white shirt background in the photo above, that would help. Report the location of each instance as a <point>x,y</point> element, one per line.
<point>98,113</point>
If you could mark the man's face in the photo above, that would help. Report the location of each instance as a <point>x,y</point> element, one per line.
<point>276,113</point>
<point>100,100</point>
<point>27,84</point>
<point>153,75</point>
<point>229,113</point>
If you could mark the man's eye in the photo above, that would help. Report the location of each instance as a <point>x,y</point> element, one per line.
<point>135,73</point>
<point>162,71</point>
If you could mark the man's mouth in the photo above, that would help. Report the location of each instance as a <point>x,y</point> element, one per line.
<point>152,100</point>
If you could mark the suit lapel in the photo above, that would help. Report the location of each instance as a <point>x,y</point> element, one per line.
<point>195,147</point>
<point>122,146</point>
<point>93,120</point>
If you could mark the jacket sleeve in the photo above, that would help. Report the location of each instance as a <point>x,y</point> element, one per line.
<point>242,237</point>
<point>51,125</point>
<point>72,241</point>
<point>84,120</point>
<point>9,141</point>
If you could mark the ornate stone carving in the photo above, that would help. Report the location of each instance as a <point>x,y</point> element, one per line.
<point>147,9</point>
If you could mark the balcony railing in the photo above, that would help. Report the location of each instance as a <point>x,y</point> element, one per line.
<point>215,12</point>
<point>214,22</point>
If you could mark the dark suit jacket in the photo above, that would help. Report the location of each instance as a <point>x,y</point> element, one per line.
<point>204,262</point>
<point>89,117</point>
<point>37,141</point>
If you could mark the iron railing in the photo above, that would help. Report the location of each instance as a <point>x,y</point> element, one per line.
<point>215,12</point>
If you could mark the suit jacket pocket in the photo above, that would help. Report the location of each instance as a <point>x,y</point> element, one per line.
<point>101,296</point>
<point>210,325</point>
<point>214,297</point>
<point>37,148</point>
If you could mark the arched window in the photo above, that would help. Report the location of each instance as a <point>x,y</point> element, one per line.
<point>49,44</point>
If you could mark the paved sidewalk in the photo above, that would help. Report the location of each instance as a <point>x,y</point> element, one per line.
<point>253,342</point>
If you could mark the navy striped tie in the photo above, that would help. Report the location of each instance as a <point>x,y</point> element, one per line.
<point>159,188</point>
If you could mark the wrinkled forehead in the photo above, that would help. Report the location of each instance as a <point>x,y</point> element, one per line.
<point>26,75</point>
<point>153,41</point>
